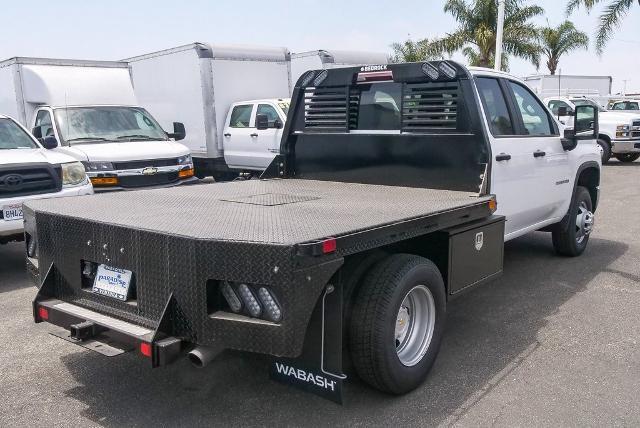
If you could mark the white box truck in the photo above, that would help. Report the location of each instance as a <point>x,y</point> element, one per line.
<point>206,87</point>
<point>322,59</point>
<point>88,110</point>
<point>232,99</point>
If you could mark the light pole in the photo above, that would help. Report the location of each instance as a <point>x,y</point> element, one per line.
<point>498,60</point>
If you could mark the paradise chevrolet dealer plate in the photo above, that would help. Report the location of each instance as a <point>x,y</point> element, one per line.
<point>12,212</point>
<point>112,282</point>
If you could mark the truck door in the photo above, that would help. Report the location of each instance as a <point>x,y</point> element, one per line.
<point>238,134</point>
<point>550,159</point>
<point>516,180</point>
<point>268,140</point>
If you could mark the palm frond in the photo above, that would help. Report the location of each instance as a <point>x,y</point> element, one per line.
<point>610,20</point>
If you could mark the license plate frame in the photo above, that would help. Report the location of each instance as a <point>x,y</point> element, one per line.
<point>113,282</point>
<point>11,209</point>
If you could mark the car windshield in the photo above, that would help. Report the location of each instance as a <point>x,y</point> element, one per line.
<point>107,124</point>
<point>583,102</point>
<point>14,137</point>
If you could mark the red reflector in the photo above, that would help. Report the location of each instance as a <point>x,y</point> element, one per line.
<point>43,313</point>
<point>329,246</point>
<point>145,349</point>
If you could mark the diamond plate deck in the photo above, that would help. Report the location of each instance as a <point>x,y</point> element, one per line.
<point>277,211</point>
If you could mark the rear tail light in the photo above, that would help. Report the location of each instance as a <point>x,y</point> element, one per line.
<point>329,246</point>
<point>146,349</point>
<point>43,313</point>
<point>271,308</point>
<point>253,307</point>
<point>375,76</point>
<point>231,297</point>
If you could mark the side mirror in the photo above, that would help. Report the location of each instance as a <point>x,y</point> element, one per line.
<point>262,122</point>
<point>569,142</point>
<point>49,142</point>
<point>562,111</point>
<point>37,132</point>
<point>585,127</point>
<point>278,124</point>
<point>179,131</point>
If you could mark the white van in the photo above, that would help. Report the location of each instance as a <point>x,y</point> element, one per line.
<point>28,171</point>
<point>88,110</point>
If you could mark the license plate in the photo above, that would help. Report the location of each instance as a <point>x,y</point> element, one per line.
<point>12,212</point>
<point>112,282</point>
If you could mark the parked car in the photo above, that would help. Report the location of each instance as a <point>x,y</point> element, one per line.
<point>387,200</point>
<point>28,171</point>
<point>619,131</point>
<point>87,110</point>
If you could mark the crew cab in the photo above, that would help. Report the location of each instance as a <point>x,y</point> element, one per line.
<point>393,192</point>
<point>619,134</point>
<point>28,171</point>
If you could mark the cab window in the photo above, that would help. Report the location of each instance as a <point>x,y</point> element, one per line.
<point>534,116</point>
<point>241,116</point>
<point>619,106</point>
<point>495,106</point>
<point>270,112</point>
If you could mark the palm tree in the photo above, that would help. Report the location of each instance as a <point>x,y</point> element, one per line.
<point>412,51</point>
<point>609,20</point>
<point>476,33</point>
<point>559,41</point>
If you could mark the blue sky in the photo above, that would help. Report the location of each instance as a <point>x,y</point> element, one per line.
<point>117,29</point>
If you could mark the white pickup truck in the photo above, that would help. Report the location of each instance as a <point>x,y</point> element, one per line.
<point>394,191</point>
<point>88,110</point>
<point>619,130</point>
<point>28,171</point>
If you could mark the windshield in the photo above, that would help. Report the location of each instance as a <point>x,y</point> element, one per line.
<point>583,102</point>
<point>101,124</point>
<point>14,137</point>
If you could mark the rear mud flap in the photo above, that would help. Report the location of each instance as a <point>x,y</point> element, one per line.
<point>319,368</point>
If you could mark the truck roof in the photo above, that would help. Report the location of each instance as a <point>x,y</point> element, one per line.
<point>62,62</point>
<point>221,51</point>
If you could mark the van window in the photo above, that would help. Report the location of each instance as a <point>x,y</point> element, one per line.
<point>379,106</point>
<point>241,116</point>
<point>495,107</point>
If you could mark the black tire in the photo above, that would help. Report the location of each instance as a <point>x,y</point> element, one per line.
<point>606,150</point>
<point>372,337</point>
<point>627,157</point>
<point>564,238</point>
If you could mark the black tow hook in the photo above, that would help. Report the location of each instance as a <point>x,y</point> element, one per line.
<point>85,330</point>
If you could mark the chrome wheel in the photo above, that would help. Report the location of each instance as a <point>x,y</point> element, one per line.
<point>415,323</point>
<point>584,222</point>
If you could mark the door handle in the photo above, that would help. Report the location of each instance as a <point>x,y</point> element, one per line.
<point>253,135</point>
<point>503,157</point>
<point>539,154</point>
<point>227,135</point>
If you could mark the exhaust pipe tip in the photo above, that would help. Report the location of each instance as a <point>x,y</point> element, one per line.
<point>201,356</point>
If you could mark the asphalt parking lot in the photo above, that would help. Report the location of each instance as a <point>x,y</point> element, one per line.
<point>554,342</point>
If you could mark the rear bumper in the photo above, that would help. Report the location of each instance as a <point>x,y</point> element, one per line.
<point>106,335</point>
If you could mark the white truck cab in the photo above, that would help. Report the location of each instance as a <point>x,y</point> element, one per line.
<point>534,175</point>
<point>619,134</point>
<point>28,171</point>
<point>252,133</point>
<point>88,110</point>
<point>630,105</point>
